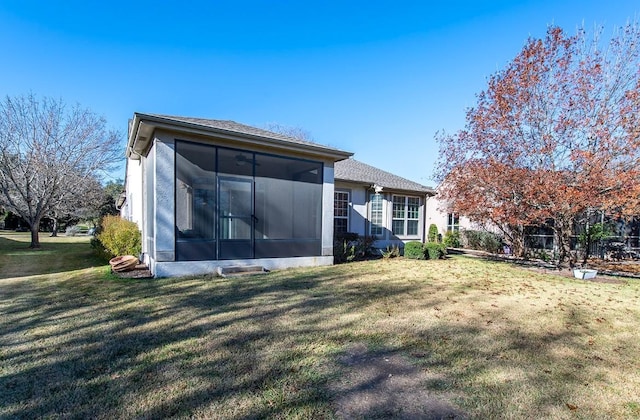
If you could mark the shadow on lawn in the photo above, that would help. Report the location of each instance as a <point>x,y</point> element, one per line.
<point>254,347</point>
<point>163,348</point>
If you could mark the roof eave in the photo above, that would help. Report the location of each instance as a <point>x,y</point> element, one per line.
<point>144,125</point>
<point>370,184</point>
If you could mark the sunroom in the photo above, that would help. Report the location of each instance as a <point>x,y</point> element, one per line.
<point>210,194</point>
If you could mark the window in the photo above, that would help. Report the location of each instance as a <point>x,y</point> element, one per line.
<point>340,212</point>
<point>453,222</point>
<point>376,215</point>
<point>406,215</point>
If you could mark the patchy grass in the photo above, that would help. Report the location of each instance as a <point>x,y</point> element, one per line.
<point>489,339</point>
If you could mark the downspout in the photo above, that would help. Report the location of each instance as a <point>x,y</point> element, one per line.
<point>424,219</point>
<point>367,222</point>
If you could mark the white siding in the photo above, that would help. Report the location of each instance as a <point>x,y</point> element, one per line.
<point>132,207</point>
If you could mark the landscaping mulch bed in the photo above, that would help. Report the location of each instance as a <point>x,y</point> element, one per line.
<point>141,271</point>
<point>608,271</point>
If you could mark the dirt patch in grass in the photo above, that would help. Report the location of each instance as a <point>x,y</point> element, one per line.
<point>382,384</point>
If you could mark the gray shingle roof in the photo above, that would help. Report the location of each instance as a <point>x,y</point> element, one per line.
<point>234,127</point>
<point>355,171</point>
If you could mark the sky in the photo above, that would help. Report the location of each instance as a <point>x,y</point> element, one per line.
<point>375,78</point>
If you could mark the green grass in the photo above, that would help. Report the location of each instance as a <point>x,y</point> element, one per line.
<point>490,339</point>
<point>57,255</point>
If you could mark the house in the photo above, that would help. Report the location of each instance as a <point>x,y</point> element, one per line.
<point>211,194</point>
<point>374,203</point>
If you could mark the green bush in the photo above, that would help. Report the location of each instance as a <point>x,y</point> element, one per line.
<point>452,239</point>
<point>435,251</point>
<point>100,249</point>
<point>481,240</point>
<point>433,233</point>
<point>350,246</point>
<point>414,250</point>
<point>119,237</point>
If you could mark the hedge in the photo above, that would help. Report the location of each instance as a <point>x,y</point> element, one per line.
<point>119,237</point>
<point>414,250</point>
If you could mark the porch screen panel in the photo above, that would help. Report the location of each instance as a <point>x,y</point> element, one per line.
<point>235,204</point>
<point>288,207</point>
<point>195,201</point>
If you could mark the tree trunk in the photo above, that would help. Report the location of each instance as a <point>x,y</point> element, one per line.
<point>35,238</point>
<point>563,229</point>
<point>587,245</point>
<point>515,238</point>
<point>54,231</point>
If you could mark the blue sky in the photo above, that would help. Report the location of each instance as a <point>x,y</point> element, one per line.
<point>377,78</point>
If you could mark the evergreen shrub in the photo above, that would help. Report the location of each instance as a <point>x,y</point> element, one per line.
<point>452,239</point>
<point>119,237</point>
<point>435,251</point>
<point>414,250</point>
<point>433,233</point>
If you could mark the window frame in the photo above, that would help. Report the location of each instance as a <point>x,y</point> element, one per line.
<point>346,208</point>
<point>377,225</point>
<point>453,222</point>
<point>405,213</point>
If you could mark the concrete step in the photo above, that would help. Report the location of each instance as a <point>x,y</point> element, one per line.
<point>241,270</point>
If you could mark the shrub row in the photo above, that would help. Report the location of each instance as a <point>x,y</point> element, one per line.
<point>482,240</point>
<point>428,251</point>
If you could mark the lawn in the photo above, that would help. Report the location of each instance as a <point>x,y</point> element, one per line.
<point>388,338</point>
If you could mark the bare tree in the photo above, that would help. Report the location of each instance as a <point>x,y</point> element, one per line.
<point>294,132</point>
<point>85,204</point>
<point>49,155</point>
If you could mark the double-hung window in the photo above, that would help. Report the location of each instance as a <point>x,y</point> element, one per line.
<point>453,222</point>
<point>340,211</point>
<point>376,216</point>
<point>406,215</point>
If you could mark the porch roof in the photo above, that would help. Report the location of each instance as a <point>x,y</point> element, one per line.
<point>141,129</point>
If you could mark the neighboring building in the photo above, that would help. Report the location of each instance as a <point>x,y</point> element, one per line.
<point>446,221</point>
<point>210,194</point>
<point>374,203</point>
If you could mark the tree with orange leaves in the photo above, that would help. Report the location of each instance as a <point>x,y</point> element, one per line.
<point>555,133</point>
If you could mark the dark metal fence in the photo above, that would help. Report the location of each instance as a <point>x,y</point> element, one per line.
<point>615,247</point>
